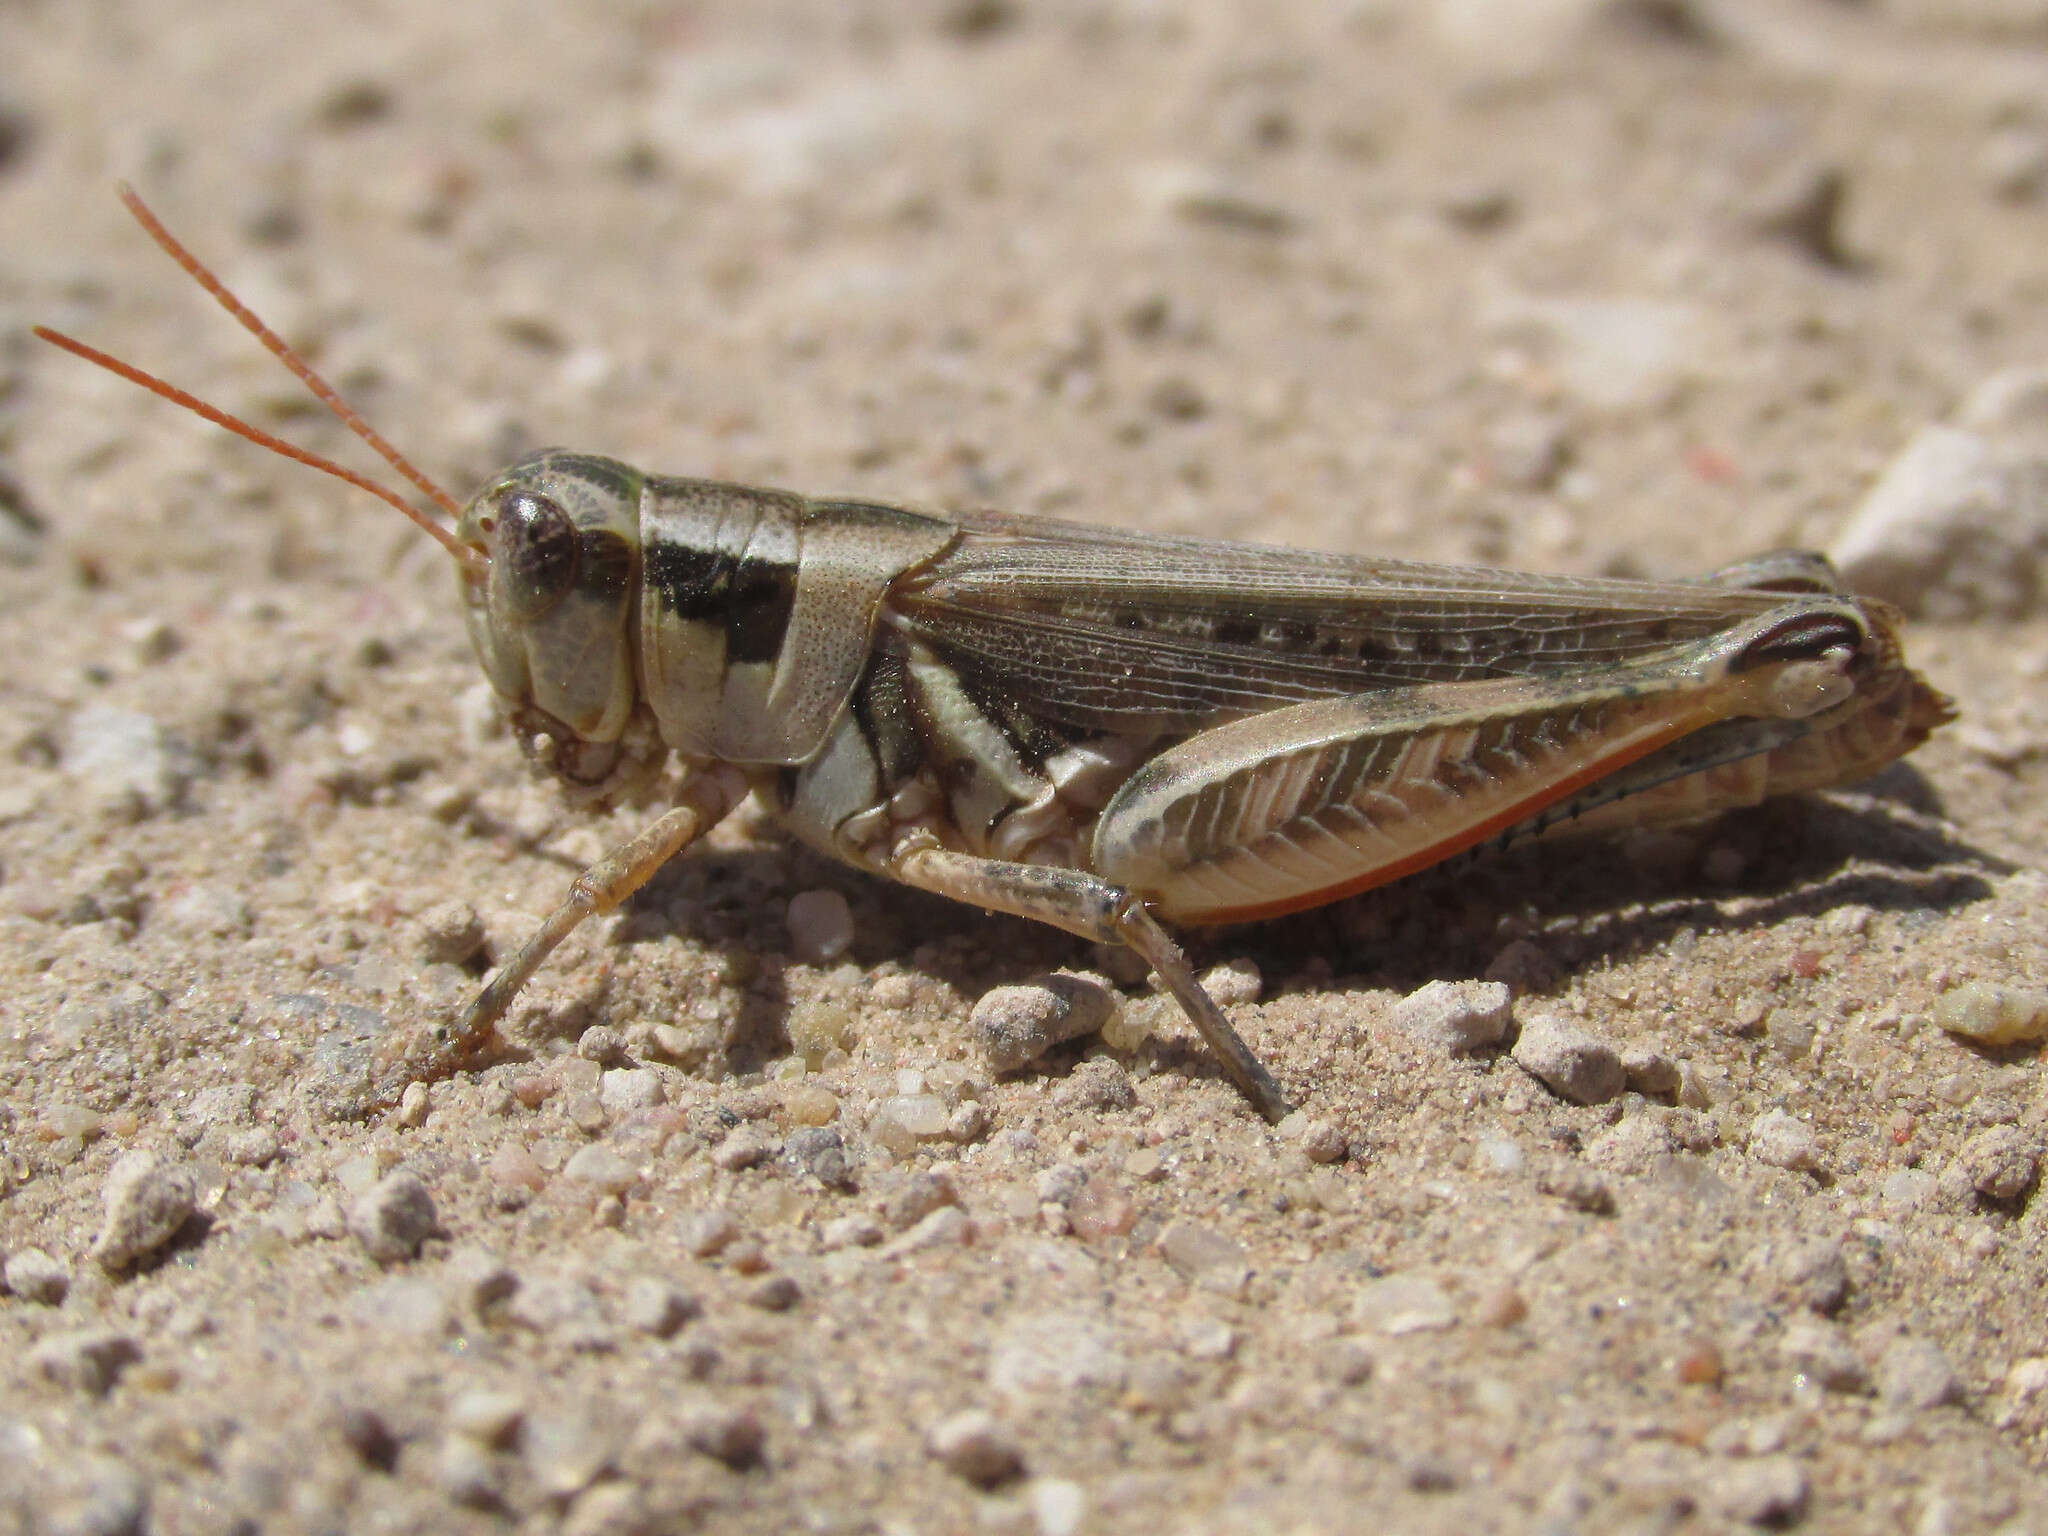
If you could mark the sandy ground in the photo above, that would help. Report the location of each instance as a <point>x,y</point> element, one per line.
<point>1517,282</point>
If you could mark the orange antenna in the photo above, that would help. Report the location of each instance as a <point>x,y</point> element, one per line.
<point>281,350</point>
<point>324,392</point>
<point>468,558</point>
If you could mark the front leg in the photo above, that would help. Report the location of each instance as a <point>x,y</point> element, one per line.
<point>706,798</point>
<point>1095,909</point>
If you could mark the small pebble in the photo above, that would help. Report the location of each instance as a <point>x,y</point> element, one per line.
<point>601,1168</point>
<point>974,1447</point>
<point>1059,1506</point>
<point>1913,1374</point>
<point>1499,1155</point>
<point>124,761</point>
<point>705,1233</point>
<point>1818,1351</point>
<point>809,1104</point>
<point>726,1432</point>
<point>903,1120</point>
<point>948,1227</point>
<point>657,1307</point>
<point>1014,1026</point>
<point>1320,1141</point>
<point>820,926</point>
<point>1950,528</point>
<point>413,1106</point>
<point>600,1044</point>
<point>1501,1307</point>
<point>857,1230</point>
<point>565,1448</point>
<point>1802,206</point>
<point>563,1308</point>
<point>475,1279</point>
<point>1813,1275</point>
<point>917,1197</point>
<point>393,1217</point>
<point>1784,1141</point>
<point>1099,1085</point>
<point>1205,1257</point>
<point>1522,966</point>
<point>2001,1163</point>
<point>774,1293</point>
<point>1456,1016</point>
<point>448,933</point>
<point>625,1090</point>
<point>1698,1363</point>
<point>1350,1361</point>
<point>2014,161</point>
<point>1650,1073</point>
<point>819,1152</point>
<point>466,1473</point>
<point>35,1276</point>
<point>2027,1379</point>
<point>489,1418</point>
<point>1571,1062</point>
<point>147,1200</point>
<point>1634,1145</point>
<point>1146,1164</point>
<point>744,1148</point>
<point>1763,1490</point>
<point>84,1494</point>
<point>1993,1015</point>
<point>967,1124</point>
<point>1235,983</point>
<point>1577,1186</point>
<point>1403,1303</point>
<point>89,1360</point>
<point>894,992</point>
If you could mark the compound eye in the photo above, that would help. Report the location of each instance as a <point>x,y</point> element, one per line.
<point>536,553</point>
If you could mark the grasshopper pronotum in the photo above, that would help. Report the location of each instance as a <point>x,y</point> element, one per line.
<point>1099,729</point>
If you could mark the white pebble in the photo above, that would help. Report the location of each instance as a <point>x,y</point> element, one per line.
<point>657,1307</point>
<point>448,933</point>
<point>625,1089</point>
<point>1456,1016</point>
<point>465,1472</point>
<point>858,1230</point>
<point>1014,1026</point>
<point>124,760</point>
<point>393,1217</point>
<point>566,1451</point>
<point>704,1233</point>
<point>820,925</point>
<point>1205,1257</point>
<point>1956,526</point>
<point>1819,1351</point>
<point>147,1201</point>
<point>34,1275</point>
<point>602,1168</point>
<point>1403,1303</point>
<point>726,1432</point>
<point>1764,1490</point>
<point>1571,1062</point>
<point>1784,1141</point>
<point>1993,1015</point>
<point>1914,1374</point>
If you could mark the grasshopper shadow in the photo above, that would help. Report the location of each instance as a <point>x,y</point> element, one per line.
<point>1584,900</point>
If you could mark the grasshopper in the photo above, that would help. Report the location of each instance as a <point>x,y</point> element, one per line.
<point>1106,731</point>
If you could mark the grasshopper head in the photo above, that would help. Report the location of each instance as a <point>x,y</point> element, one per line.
<point>550,606</point>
